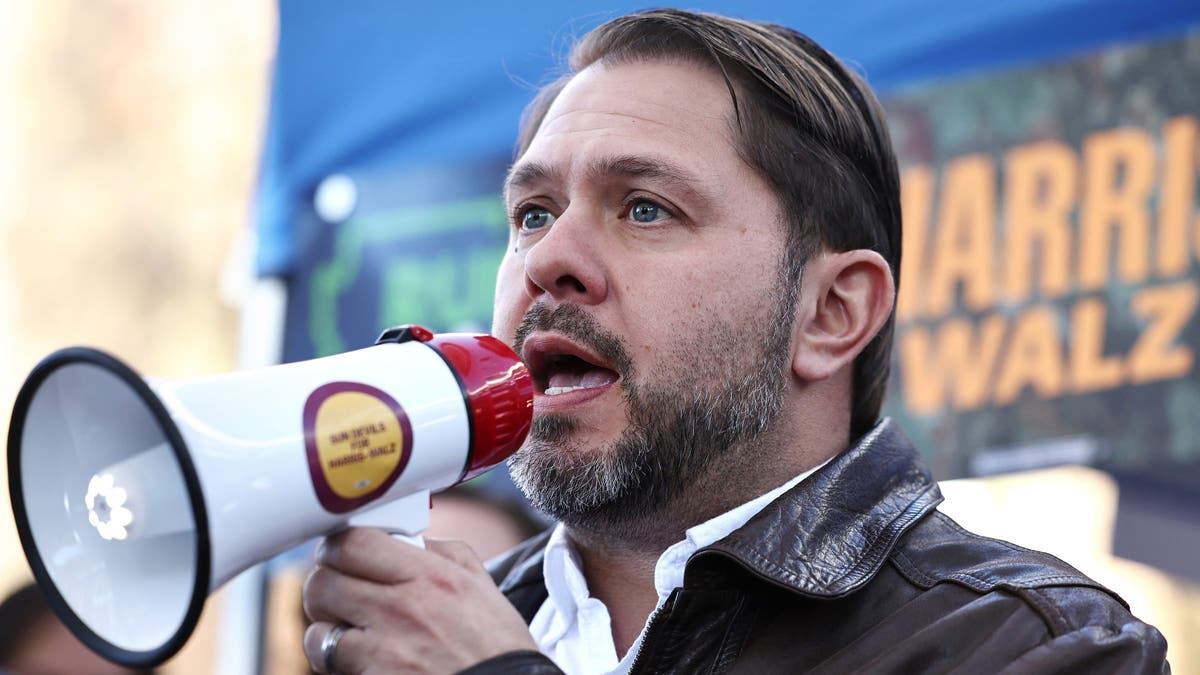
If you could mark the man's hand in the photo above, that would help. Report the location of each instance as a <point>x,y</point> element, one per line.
<point>409,610</point>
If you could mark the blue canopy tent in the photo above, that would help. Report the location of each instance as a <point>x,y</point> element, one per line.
<point>387,85</point>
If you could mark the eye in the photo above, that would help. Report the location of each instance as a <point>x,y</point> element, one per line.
<point>645,211</point>
<point>536,218</point>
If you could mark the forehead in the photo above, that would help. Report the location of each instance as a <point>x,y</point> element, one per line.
<point>676,111</point>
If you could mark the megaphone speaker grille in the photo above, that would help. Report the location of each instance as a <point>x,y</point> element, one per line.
<point>108,507</point>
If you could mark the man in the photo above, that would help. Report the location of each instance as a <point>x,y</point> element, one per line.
<point>702,267</point>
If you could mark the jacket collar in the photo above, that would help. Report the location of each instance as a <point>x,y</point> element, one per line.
<point>831,533</point>
<point>825,537</point>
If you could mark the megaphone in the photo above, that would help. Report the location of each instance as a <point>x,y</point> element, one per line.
<point>134,499</point>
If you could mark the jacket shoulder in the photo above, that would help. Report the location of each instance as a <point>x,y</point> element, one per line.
<point>939,550</point>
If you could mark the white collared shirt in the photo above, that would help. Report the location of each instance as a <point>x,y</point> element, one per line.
<point>575,630</point>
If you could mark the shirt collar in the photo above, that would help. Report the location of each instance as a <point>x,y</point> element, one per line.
<point>668,571</point>
<point>566,586</point>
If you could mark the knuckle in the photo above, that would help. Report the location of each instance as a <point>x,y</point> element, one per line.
<point>311,642</point>
<point>446,580</point>
<point>316,578</point>
<point>441,583</point>
<point>461,550</point>
<point>313,592</point>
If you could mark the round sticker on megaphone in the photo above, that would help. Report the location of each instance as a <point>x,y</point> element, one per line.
<point>358,441</point>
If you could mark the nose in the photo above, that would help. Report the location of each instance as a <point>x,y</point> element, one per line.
<point>566,262</point>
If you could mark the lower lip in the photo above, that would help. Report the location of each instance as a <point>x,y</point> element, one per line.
<point>570,399</point>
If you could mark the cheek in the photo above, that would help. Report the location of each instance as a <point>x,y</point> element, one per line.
<point>678,296</point>
<point>705,300</point>
<point>655,315</point>
<point>511,300</point>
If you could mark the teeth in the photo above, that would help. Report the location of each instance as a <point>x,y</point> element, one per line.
<point>555,391</point>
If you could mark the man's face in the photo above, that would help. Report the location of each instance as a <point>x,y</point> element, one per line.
<point>643,287</point>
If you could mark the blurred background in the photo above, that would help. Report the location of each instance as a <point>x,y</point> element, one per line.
<point>197,187</point>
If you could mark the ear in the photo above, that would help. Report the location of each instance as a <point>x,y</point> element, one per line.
<point>845,298</point>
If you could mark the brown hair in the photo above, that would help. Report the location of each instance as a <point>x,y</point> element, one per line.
<point>809,125</point>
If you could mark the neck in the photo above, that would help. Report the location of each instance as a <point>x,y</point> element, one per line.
<point>619,558</point>
<point>623,580</point>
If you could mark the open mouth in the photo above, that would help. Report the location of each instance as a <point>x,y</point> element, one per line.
<point>559,366</point>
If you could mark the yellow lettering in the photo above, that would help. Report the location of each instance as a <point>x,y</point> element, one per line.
<point>1039,196</point>
<point>1178,195</point>
<point>965,247</point>
<point>1033,358</point>
<point>960,361</point>
<point>1091,370</point>
<point>916,198</point>
<point>1118,181</point>
<point>1157,354</point>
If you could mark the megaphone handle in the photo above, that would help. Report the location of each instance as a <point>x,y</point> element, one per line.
<point>405,518</point>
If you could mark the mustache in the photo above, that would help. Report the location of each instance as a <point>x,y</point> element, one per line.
<point>576,324</point>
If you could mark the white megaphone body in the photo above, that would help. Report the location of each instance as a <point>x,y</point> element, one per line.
<point>136,499</point>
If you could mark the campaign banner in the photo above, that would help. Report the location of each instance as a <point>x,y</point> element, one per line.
<point>1047,308</point>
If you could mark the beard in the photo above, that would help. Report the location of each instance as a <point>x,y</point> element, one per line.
<point>688,422</point>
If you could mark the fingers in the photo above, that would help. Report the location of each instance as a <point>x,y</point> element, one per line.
<point>331,596</point>
<point>412,610</point>
<point>374,555</point>
<point>359,572</point>
<point>348,655</point>
<point>370,554</point>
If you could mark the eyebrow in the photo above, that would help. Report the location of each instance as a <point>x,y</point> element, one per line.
<point>628,166</point>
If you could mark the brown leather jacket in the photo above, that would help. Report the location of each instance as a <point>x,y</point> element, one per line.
<point>855,570</point>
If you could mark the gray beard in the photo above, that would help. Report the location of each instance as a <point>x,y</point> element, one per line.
<point>681,430</point>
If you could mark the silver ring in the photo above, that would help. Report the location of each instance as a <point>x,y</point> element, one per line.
<point>330,644</point>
